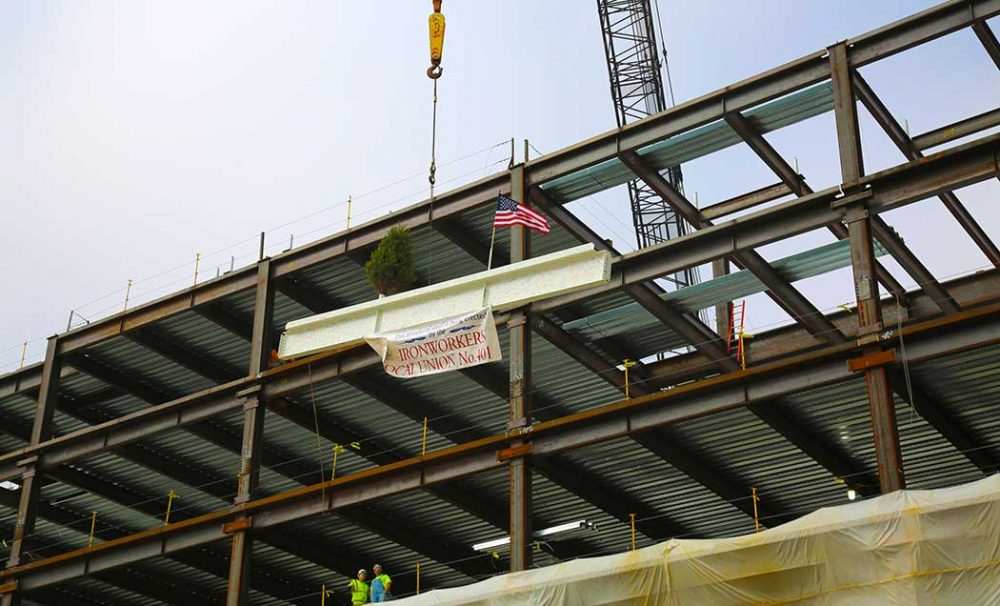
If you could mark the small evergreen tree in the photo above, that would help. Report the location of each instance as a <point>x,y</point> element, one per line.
<point>390,268</point>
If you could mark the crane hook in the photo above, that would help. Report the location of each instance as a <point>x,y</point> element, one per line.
<point>436,26</point>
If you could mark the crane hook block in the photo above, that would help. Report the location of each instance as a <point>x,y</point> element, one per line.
<point>435,26</point>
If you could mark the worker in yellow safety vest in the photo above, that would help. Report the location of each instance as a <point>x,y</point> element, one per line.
<point>381,585</point>
<point>359,588</point>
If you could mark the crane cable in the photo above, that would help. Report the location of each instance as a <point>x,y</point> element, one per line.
<point>435,30</point>
<point>433,168</point>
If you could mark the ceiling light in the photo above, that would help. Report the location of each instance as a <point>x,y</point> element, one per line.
<point>558,529</point>
<point>488,545</point>
<point>579,524</point>
<point>9,485</point>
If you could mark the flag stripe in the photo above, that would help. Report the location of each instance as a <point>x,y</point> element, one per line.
<point>509,212</point>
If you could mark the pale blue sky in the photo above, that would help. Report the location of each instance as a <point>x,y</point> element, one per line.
<point>137,133</point>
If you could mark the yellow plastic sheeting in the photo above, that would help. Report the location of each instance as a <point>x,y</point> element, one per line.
<point>910,547</point>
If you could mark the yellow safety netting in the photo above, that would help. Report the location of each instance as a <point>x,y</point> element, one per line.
<point>910,547</point>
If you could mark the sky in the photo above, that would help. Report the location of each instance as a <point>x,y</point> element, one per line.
<point>137,134</point>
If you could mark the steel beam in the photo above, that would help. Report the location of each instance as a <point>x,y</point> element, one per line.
<point>746,201</point>
<point>957,130</point>
<point>989,40</point>
<point>463,238</point>
<point>225,318</point>
<point>925,340</point>
<point>808,70</point>
<point>823,451</point>
<point>912,265</point>
<point>31,478</point>
<point>783,293</point>
<point>263,580</point>
<point>912,152</point>
<point>935,413</point>
<point>688,326</point>
<point>300,290</point>
<point>891,188</point>
<point>360,238</point>
<point>797,184</point>
<point>85,480</point>
<point>560,470</point>
<point>272,455</point>
<point>665,444</point>
<point>194,361</point>
<point>867,48</point>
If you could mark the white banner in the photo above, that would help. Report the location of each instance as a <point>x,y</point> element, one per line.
<point>438,346</point>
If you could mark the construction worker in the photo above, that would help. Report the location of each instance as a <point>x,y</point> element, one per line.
<point>359,588</point>
<point>381,585</point>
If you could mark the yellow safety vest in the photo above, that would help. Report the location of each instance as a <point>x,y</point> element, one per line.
<point>359,592</point>
<point>386,582</point>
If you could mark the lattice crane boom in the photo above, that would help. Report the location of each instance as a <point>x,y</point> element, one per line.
<point>628,28</point>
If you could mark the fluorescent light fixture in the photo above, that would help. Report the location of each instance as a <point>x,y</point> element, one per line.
<point>564,528</point>
<point>851,494</point>
<point>9,485</point>
<point>561,528</point>
<point>487,545</point>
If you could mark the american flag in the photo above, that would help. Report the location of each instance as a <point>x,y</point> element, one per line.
<point>510,213</point>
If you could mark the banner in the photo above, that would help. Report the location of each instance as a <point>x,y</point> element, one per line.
<point>438,346</point>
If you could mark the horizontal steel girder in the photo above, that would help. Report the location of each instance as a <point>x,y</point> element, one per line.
<point>925,340</point>
<point>883,191</point>
<point>889,189</point>
<point>867,48</point>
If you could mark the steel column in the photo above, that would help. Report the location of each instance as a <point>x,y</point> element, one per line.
<point>926,340</point>
<point>892,188</point>
<point>869,307</point>
<point>520,398</point>
<point>31,478</point>
<point>845,109</point>
<point>869,313</point>
<point>720,267</point>
<point>254,409</point>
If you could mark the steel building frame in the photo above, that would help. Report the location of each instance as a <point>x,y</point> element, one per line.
<point>938,322</point>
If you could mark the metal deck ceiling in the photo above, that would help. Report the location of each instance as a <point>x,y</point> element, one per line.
<point>737,440</point>
<point>694,144</point>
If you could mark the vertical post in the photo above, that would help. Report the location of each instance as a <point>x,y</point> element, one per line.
<point>720,267</point>
<point>41,430</point>
<point>869,314</point>
<point>756,513</point>
<point>520,398</point>
<point>253,428</point>
<point>845,110</point>
<point>869,311</point>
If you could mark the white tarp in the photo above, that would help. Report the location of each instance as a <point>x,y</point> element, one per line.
<point>447,344</point>
<point>909,547</point>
